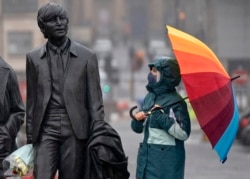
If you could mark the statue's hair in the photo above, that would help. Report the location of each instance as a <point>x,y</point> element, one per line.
<point>46,12</point>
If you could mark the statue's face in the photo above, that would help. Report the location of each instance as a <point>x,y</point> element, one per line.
<point>56,27</point>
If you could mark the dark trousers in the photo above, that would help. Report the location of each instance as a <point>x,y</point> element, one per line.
<point>1,173</point>
<point>58,149</point>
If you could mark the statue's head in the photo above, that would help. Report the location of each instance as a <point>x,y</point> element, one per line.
<point>53,21</point>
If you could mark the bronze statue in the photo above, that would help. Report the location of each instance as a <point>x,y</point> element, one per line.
<point>11,111</point>
<point>63,98</point>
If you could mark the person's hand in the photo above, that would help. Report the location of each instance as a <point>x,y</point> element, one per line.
<point>140,116</point>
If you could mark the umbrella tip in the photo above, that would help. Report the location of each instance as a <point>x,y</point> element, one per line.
<point>224,160</point>
<point>166,27</point>
<point>234,78</point>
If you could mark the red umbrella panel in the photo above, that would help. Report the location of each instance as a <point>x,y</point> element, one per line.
<point>209,90</point>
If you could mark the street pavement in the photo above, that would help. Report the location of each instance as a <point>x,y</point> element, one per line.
<point>201,161</point>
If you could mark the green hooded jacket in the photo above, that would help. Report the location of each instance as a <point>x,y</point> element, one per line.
<point>161,154</point>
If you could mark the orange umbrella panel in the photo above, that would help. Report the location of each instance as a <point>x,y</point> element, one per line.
<point>193,53</point>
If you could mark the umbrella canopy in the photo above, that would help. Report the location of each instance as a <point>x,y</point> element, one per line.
<point>209,89</point>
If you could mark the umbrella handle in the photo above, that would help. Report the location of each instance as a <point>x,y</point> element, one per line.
<point>154,109</point>
<point>131,112</point>
<point>148,113</point>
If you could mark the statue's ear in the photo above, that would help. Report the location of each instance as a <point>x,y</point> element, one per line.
<point>43,31</point>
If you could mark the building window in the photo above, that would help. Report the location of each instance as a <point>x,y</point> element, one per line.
<point>20,6</point>
<point>19,43</point>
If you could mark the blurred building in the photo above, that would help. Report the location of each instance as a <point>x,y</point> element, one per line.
<point>19,32</point>
<point>223,25</point>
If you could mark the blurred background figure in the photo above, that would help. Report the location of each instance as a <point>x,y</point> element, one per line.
<point>139,59</point>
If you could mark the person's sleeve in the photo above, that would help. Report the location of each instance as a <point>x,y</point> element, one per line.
<point>94,89</point>
<point>181,127</point>
<point>17,111</point>
<point>161,120</point>
<point>137,126</point>
<point>176,122</point>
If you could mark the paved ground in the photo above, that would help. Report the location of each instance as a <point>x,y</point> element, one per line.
<point>201,161</point>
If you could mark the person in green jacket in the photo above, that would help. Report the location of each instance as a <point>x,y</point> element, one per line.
<point>163,118</point>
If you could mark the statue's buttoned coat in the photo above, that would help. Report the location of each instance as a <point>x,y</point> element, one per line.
<point>81,89</point>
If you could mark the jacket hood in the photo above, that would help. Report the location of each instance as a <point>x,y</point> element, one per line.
<point>170,73</point>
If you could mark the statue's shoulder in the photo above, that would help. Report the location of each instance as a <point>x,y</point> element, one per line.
<point>81,48</point>
<point>38,51</point>
<point>4,64</point>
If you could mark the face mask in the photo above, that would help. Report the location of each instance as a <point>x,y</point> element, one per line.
<point>151,78</point>
<point>158,76</point>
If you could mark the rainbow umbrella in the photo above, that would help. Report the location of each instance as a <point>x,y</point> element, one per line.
<point>209,89</point>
